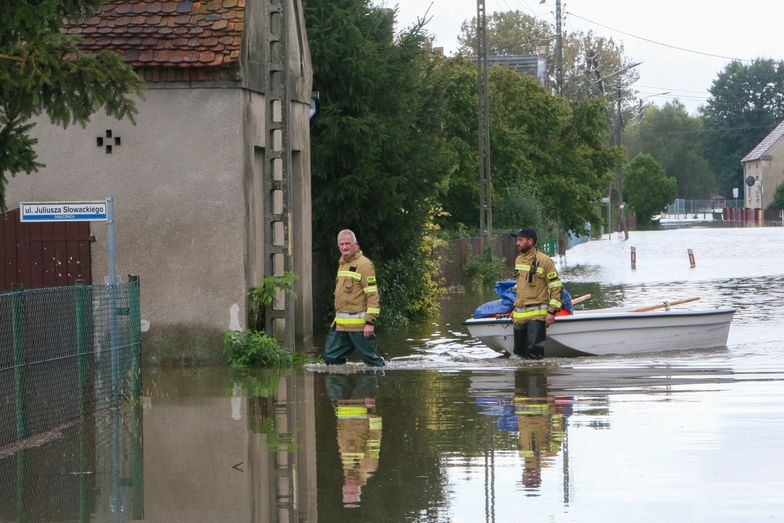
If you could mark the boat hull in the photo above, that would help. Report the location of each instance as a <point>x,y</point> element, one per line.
<point>615,331</point>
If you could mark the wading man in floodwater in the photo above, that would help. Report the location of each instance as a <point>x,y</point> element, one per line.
<point>356,306</point>
<point>538,296</point>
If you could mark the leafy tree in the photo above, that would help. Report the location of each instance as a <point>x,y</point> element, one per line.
<point>518,205</point>
<point>513,33</point>
<point>746,103</point>
<point>460,190</point>
<point>42,70</point>
<point>778,198</point>
<point>672,136</point>
<point>552,150</point>
<point>378,151</point>
<point>646,188</point>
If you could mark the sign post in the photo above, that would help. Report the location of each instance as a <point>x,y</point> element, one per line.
<point>82,211</point>
<point>111,238</point>
<point>87,211</point>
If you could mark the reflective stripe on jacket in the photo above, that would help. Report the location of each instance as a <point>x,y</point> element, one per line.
<point>538,287</point>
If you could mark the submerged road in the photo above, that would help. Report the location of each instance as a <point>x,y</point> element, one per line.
<point>449,431</point>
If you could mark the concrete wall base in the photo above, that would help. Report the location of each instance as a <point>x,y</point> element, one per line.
<point>183,344</point>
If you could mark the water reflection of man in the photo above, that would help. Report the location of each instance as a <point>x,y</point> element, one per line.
<point>358,430</point>
<point>541,425</point>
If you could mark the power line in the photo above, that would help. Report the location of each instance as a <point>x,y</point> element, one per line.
<point>672,89</point>
<point>535,13</point>
<point>720,129</point>
<point>656,42</point>
<point>674,95</point>
<point>506,3</point>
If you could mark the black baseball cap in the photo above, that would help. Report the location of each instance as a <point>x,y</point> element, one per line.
<point>525,233</point>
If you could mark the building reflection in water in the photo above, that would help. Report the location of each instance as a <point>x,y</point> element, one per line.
<point>281,450</point>
<point>218,448</point>
<point>358,430</point>
<point>230,446</point>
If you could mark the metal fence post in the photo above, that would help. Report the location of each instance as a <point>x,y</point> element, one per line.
<point>80,306</point>
<point>17,327</point>
<point>112,288</point>
<point>134,331</point>
<point>136,435</point>
<point>22,429</point>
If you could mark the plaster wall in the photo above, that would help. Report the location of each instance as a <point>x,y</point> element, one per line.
<point>773,173</point>
<point>769,171</point>
<point>176,179</point>
<point>751,195</point>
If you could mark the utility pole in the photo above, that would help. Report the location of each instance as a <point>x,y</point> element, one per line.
<point>559,76</point>
<point>558,46</point>
<point>278,202</point>
<point>485,178</point>
<point>618,173</point>
<point>593,64</point>
<point>592,60</point>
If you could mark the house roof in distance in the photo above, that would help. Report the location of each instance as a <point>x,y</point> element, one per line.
<point>179,34</point>
<point>769,141</point>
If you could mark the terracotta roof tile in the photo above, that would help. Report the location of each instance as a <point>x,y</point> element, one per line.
<point>155,33</point>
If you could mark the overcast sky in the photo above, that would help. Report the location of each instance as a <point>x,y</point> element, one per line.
<point>747,30</point>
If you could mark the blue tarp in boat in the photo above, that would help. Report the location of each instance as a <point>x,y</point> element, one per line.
<point>505,291</point>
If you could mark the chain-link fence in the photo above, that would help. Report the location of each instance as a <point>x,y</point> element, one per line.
<point>65,352</point>
<point>69,375</point>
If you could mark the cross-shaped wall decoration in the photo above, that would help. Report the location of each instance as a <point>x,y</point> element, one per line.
<point>108,141</point>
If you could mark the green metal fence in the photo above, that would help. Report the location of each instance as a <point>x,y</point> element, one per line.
<point>70,390</point>
<point>66,352</point>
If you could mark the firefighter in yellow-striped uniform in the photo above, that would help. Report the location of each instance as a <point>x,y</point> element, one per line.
<point>356,306</point>
<point>538,296</point>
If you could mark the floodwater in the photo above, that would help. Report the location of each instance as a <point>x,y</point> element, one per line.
<point>450,432</point>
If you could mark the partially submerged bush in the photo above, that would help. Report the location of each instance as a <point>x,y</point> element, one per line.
<point>253,348</point>
<point>486,268</point>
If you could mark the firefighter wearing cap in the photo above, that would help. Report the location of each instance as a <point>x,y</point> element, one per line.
<point>356,306</point>
<point>538,296</point>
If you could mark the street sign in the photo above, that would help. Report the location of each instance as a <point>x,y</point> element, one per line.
<point>63,211</point>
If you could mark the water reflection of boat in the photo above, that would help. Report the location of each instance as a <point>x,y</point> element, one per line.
<point>617,331</point>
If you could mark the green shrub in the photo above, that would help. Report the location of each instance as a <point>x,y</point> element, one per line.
<point>254,348</point>
<point>486,268</point>
<point>263,294</point>
<point>410,284</point>
<point>778,198</point>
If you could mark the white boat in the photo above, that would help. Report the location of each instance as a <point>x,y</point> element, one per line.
<point>602,332</point>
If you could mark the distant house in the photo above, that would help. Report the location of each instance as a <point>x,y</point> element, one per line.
<point>192,178</point>
<point>524,64</point>
<point>763,170</point>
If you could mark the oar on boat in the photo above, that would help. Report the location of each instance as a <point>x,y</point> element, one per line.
<point>666,304</point>
<point>581,299</point>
